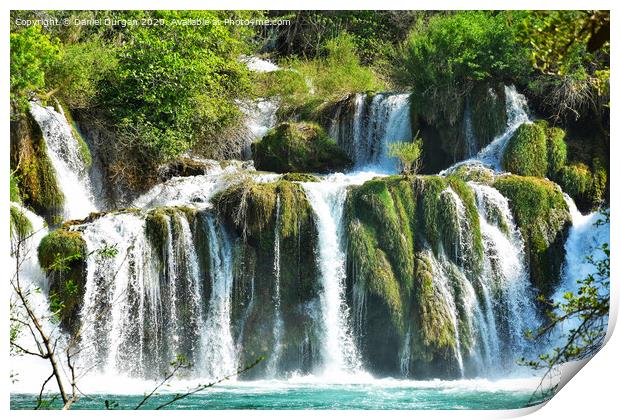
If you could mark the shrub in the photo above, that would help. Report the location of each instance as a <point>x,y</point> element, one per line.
<point>409,154</point>
<point>451,49</point>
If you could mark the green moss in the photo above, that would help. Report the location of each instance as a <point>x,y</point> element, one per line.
<point>526,151</point>
<point>576,179</point>
<point>299,147</point>
<point>600,185</point>
<point>295,210</point>
<point>248,206</point>
<point>63,244</point>
<point>372,268</point>
<point>488,111</point>
<point>62,255</point>
<point>299,177</point>
<point>391,223</point>
<point>475,173</point>
<point>586,187</point>
<point>556,151</point>
<point>250,210</point>
<point>35,175</point>
<point>20,226</point>
<point>433,335</point>
<point>542,216</point>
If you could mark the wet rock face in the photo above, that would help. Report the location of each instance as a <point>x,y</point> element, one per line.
<point>455,128</point>
<point>276,277</point>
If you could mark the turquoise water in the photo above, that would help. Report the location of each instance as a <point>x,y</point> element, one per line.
<point>274,395</point>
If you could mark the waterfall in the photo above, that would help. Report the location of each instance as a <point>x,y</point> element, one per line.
<point>506,288</point>
<point>278,322</point>
<point>516,113</point>
<point>491,155</point>
<point>585,237</point>
<point>142,307</point>
<point>64,153</point>
<point>29,371</point>
<point>375,123</point>
<point>218,348</point>
<point>338,349</point>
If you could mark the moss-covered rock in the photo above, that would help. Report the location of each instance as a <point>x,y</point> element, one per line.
<point>299,147</point>
<point>258,214</point>
<point>299,177</point>
<point>33,171</point>
<point>62,255</point>
<point>584,186</point>
<point>390,222</point>
<point>556,151</point>
<point>543,218</point>
<point>526,151</point>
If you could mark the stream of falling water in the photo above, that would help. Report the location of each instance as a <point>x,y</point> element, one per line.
<point>64,153</point>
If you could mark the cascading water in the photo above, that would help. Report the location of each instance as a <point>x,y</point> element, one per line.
<point>172,292</point>
<point>64,152</point>
<point>585,238</point>
<point>491,155</point>
<point>218,348</point>
<point>278,322</point>
<point>27,275</point>
<point>338,349</point>
<point>471,145</point>
<point>375,123</point>
<point>506,289</point>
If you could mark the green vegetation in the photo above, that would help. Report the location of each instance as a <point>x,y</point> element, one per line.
<point>543,219</point>
<point>578,181</point>
<point>409,155</point>
<point>62,255</point>
<point>299,147</point>
<point>526,152</point>
<point>32,54</point>
<point>446,51</point>
<point>15,196</point>
<point>255,213</point>
<point>307,85</point>
<point>556,151</point>
<point>570,49</point>
<point>299,177</point>
<point>540,150</point>
<point>20,226</point>
<point>33,174</point>
<point>394,226</point>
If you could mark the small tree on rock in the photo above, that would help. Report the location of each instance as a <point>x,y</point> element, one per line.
<point>409,155</point>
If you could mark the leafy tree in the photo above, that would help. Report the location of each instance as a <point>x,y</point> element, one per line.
<point>409,155</point>
<point>570,51</point>
<point>32,53</point>
<point>176,84</point>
